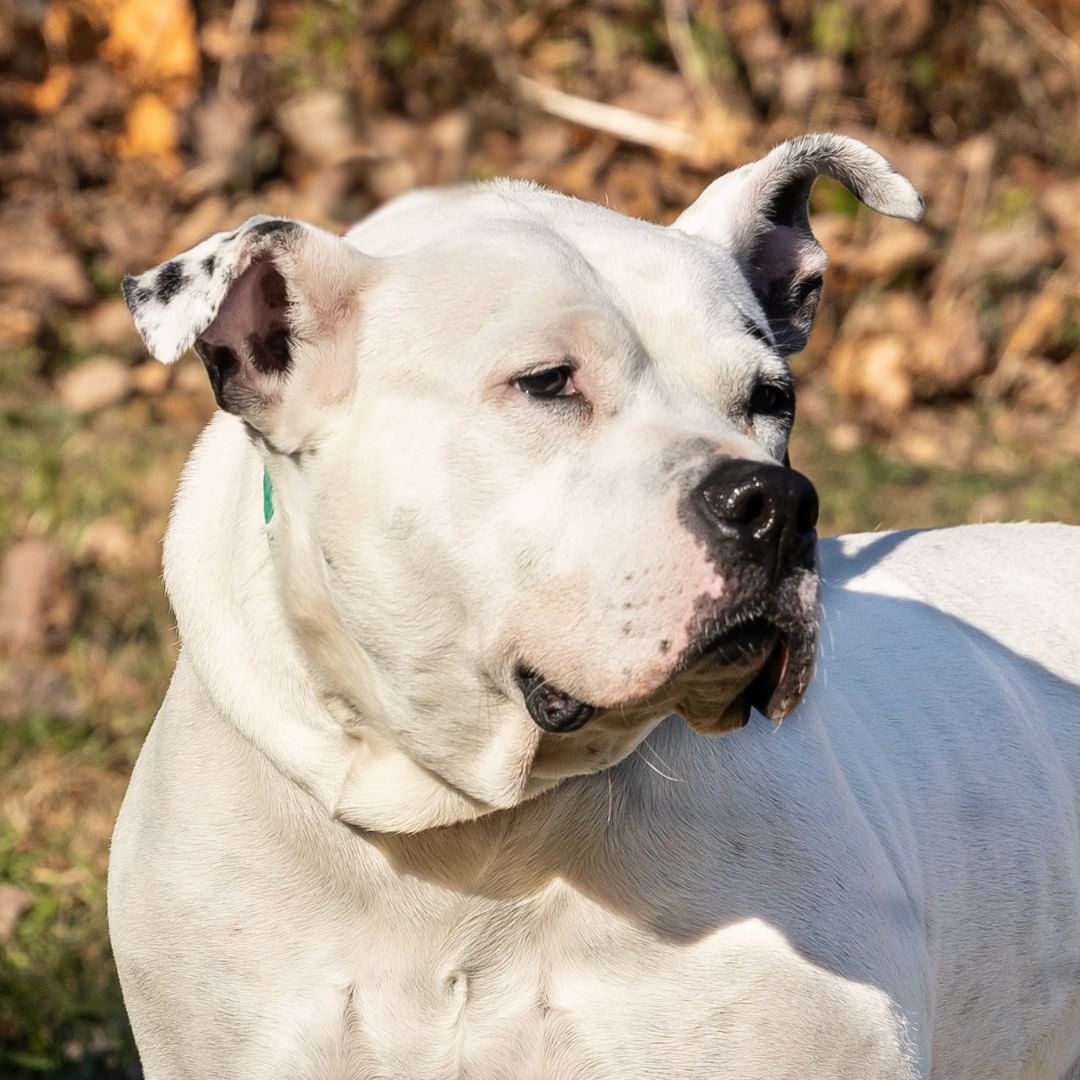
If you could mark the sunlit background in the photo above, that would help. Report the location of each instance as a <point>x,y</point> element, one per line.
<point>940,385</point>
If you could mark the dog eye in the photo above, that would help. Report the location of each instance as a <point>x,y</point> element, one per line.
<point>556,382</point>
<point>772,399</point>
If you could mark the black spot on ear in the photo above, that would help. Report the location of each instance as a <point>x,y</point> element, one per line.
<point>278,345</point>
<point>270,355</point>
<point>208,264</point>
<point>272,286</point>
<point>135,295</point>
<point>170,281</point>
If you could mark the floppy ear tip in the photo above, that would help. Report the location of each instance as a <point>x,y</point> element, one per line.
<point>135,295</point>
<point>885,189</point>
<point>159,335</point>
<point>902,198</point>
<point>865,172</point>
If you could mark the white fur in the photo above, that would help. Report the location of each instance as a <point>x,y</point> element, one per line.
<point>347,852</point>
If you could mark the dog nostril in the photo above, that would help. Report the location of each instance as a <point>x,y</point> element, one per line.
<point>748,507</point>
<point>744,503</point>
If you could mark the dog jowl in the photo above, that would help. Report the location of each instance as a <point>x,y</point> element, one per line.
<point>529,459</point>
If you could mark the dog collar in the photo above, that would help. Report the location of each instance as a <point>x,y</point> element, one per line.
<point>268,498</point>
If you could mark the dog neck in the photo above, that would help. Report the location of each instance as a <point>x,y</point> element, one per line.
<point>312,710</point>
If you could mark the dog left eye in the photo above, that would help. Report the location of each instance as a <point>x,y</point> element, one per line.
<point>556,382</point>
<point>772,399</point>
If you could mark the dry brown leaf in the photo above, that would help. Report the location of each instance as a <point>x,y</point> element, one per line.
<point>151,132</point>
<point>93,385</point>
<point>18,325</point>
<point>205,218</point>
<point>319,124</point>
<point>108,327</point>
<point>38,258</point>
<point>894,245</point>
<point>154,42</point>
<point>46,97</point>
<point>151,378</point>
<point>109,543</point>
<point>37,606</point>
<point>951,351</point>
<point>1039,324</point>
<point>14,903</point>
<point>1062,202</point>
<point>874,371</point>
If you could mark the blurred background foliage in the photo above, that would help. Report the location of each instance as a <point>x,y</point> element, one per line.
<point>940,384</point>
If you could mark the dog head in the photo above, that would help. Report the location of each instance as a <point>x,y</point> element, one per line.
<point>529,458</point>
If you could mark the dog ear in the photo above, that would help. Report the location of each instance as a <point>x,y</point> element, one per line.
<point>760,213</point>
<point>270,308</point>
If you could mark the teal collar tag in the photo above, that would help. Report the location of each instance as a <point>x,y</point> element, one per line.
<point>268,498</point>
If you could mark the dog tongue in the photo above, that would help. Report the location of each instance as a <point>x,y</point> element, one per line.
<point>767,692</point>
<point>784,678</point>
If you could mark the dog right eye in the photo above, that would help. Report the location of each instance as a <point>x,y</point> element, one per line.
<point>556,382</point>
<point>773,399</point>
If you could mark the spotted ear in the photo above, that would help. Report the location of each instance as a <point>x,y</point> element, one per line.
<point>760,213</point>
<point>270,308</point>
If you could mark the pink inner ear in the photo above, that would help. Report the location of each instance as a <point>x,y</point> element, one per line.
<point>251,321</point>
<point>787,254</point>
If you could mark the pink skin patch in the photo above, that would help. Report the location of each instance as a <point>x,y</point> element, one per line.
<point>654,673</point>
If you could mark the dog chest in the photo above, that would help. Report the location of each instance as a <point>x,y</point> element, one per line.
<point>474,987</point>
<point>553,988</point>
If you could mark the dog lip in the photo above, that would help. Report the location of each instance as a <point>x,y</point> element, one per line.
<point>746,640</point>
<point>762,691</point>
<point>551,709</point>
<point>742,641</point>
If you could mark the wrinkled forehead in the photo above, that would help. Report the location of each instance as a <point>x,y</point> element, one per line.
<point>515,249</point>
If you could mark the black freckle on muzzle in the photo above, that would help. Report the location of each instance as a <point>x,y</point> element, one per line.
<point>551,708</point>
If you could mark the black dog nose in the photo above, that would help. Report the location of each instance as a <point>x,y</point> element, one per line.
<point>768,510</point>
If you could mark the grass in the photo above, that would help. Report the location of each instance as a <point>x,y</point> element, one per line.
<point>864,491</point>
<point>65,757</point>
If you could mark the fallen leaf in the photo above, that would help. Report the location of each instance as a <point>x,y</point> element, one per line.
<point>154,42</point>
<point>151,378</point>
<point>37,256</point>
<point>151,131</point>
<point>894,245</point>
<point>319,124</point>
<point>875,371</point>
<point>18,325</point>
<point>108,542</point>
<point>46,97</point>
<point>93,385</point>
<point>14,903</point>
<point>37,607</point>
<point>108,325</point>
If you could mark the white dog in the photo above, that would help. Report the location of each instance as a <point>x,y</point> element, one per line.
<point>497,489</point>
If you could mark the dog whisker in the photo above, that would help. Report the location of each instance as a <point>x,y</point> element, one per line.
<point>652,750</point>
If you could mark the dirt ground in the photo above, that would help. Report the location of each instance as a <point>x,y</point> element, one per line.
<point>940,384</point>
